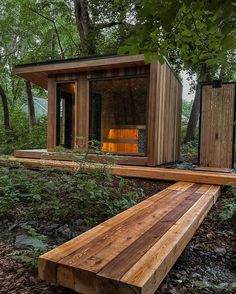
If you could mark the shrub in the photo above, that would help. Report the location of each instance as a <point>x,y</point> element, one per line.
<point>229,210</point>
<point>189,151</point>
<point>93,197</point>
<point>20,135</point>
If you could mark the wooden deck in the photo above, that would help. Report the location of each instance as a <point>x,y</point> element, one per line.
<point>168,174</point>
<point>133,251</point>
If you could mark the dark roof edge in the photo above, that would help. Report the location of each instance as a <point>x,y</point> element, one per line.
<point>91,57</point>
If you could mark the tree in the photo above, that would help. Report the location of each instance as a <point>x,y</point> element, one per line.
<point>97,19</point>
<point>33,31</point>
<point>5,109</point>
<point>30,100</point>
<point>196,36</point>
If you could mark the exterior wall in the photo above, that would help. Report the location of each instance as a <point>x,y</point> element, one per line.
<point>165,102</point>
<point>81,107</point>
<point>163,110</point>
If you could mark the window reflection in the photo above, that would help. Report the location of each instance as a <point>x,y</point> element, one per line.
<point>118,115</point>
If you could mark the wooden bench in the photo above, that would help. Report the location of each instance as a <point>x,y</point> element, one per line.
<point>133,251</point>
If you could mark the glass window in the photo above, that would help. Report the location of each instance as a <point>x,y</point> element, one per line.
<point>64,115</point>
<point>118,115</point>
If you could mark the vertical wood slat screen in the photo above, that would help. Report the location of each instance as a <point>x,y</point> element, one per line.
<point>217,124</point>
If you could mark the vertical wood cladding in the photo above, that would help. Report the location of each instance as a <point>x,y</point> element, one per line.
<point>217,120</point>
<point>165,100</point>
<point>163,109</point>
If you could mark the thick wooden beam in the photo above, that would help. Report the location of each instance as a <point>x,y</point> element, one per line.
<point>214,178</point>
<point>133,251</point>
<point>168,174</point>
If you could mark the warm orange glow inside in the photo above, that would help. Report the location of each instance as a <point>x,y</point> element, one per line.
<point>123,134</point>
<point>124,146</point>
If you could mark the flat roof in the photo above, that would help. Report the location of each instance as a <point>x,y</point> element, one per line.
<point>90,57</point>
<point>38,72</point>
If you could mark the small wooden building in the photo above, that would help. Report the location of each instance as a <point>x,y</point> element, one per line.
<point>128,108</point>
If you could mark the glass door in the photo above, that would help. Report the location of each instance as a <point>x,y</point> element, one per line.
<point>64,114</point>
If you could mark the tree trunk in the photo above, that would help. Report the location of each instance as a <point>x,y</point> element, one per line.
<point>194,116</point>
<point>193,119</point>
<point>6,118</point>
<point>85,27</point>
<point>30,100</point>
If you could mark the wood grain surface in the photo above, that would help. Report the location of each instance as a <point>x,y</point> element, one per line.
<point>120,255</point>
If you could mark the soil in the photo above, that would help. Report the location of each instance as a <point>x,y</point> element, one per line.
<point>207,265</point>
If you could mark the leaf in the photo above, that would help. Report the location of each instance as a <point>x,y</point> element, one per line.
<point>187,33</point>
<point>185,48</point>
<point>37,197</point>
<point>227,42</point>
<point>148,57</point>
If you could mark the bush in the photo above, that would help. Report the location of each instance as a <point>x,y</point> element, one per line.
<point>20,135</point>
<point>229,211</point>
<point>189,151</point>
<point>93,197</point>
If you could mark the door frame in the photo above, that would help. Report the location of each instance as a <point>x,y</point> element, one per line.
<point>73,102</point>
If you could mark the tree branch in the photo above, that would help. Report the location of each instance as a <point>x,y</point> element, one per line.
<point>55,28</point>
<point>105,25</point>
<point>7,54</point>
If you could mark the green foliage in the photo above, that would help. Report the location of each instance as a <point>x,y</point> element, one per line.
<point>188,33</point>
<point>32,232</point>
<point>93,197</point>
<point>21,136</point>
<point>189,151</point>
<point>229,211</point>
<point>28,256</point>
<point>33,31</point>
<point>186,110</point>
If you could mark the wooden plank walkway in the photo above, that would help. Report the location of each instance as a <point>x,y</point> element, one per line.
<point>133,251</point>
<point>196,176</point>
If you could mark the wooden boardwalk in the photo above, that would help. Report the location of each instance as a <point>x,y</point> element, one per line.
<point>133,251</point>
<point>168,174</point>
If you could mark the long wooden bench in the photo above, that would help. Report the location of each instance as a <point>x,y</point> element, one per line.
<point>133,251</point>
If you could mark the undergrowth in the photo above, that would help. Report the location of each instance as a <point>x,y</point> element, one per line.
<point>229,206</point>
<point>27,256</point>
<point>21,135</point>
<point>189,151</point>
<point>43,195</point>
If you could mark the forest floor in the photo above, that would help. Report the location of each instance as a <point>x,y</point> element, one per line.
<point>207,265</point>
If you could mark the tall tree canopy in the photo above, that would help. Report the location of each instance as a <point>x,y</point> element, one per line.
<point>45,29</point>
<point>197,36</point>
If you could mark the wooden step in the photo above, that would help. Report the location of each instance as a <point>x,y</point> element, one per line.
<point>133,251</point>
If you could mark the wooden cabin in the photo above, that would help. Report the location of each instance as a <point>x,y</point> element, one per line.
<point>117,103</point>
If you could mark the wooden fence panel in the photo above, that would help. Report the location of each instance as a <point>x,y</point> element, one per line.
<point>217,124</point>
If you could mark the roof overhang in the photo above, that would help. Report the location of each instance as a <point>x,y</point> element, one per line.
<point>38,73</point>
